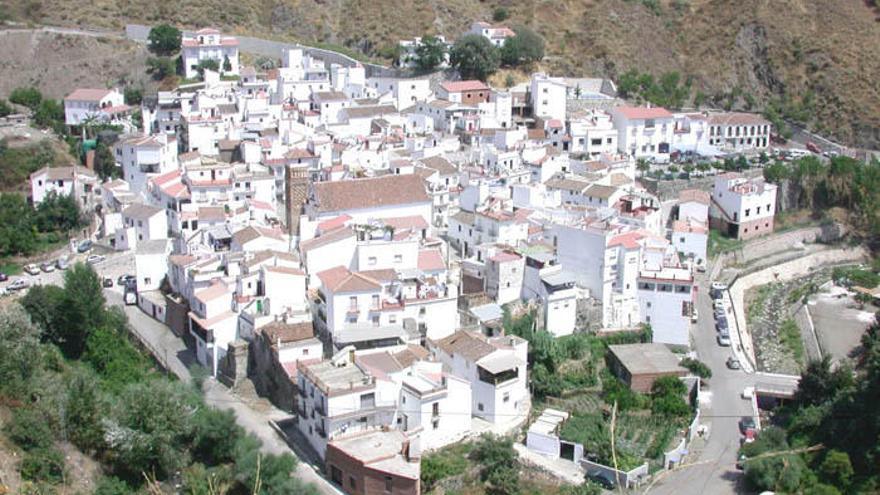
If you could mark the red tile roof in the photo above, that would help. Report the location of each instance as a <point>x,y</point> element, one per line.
<point>459,86</point>
<point>358,194</point>
<point>88,94</point>
<point>430,260</point>
<point>636,113</point>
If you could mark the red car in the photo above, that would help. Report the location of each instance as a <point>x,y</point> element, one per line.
<point>812,147</point>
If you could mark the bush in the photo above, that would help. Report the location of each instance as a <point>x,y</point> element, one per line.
<point>500,14</point>
<point>29,429</point>
<point>697,367</point>
<point>439,466</point>
<point>112,486</point>
<point>29,97</point>
<point>43,464</point>
<point>160,67</point>
<point>5,108</point>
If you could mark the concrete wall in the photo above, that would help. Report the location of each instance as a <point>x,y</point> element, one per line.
<point>627,479</point>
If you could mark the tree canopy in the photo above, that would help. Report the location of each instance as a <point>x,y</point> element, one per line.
<point>524,48</point>
<point>164,39</point>
<point>474,57</point>
<point>430,53</point>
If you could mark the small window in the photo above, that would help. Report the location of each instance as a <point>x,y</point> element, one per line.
<point>371,260</point>
<point>352,483</point>
<point>388,483</point>
<point>506,397</point>
<point>480,407</point>
<point>398,258</point>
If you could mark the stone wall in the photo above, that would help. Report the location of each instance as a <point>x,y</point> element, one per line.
<point>269,377</point>
<point>669,189</point>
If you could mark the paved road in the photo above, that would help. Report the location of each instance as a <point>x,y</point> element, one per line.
<point>714,458</point>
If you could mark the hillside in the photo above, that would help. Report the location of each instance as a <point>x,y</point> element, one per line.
<point>816,60</point>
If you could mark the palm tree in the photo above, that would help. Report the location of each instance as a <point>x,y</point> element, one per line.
<point>642,166</point>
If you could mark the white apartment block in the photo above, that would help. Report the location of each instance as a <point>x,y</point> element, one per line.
<point>666,297</point>
<point>743,208</point>
<point>644,132</point>
<point>592,134</point>
<point>142,157</point>
<point>496,368</point>
<point>209,44</point>
<point>547,96</point>
<point>75,181</point>
<point>96,105</point>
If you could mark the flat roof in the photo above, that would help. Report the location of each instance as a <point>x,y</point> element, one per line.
<point>641,359</point>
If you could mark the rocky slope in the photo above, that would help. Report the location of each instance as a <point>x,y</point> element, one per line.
<point>817,60</point>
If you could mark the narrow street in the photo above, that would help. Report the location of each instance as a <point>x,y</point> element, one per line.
<point>713,459</point>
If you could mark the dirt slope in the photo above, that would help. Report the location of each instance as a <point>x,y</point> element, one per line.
<point>56,64</point>
<point>817,56</point>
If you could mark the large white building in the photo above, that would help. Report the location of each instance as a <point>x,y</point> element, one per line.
<point>142,157</point>
<point>547,96</point>
<point>98,105</point>
<point>209,44</point>
<point>644,132</point>
<point>743,208</point>
<point>496,368</point>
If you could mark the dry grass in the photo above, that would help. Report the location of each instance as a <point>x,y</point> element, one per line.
<point>764,48</point>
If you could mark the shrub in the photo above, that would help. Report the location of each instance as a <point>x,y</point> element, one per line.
<point>697,367</point>
<point>500,14</point>
<point>30,430</point>
<point>43,464</point>
<point>29,97</point>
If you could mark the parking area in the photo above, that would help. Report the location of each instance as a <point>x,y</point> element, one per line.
<point>839,320</point>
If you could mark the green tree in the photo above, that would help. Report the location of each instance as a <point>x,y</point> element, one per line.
<point>149,428</point>
<point>430,53</point>
<point>837,469</point>
<point>776,172</point>
<point>5,108</point>
<point>49,114</point>
<point>58,212</point>
<point>83,309</point>
<point>17,236</point>
<point>215,434</point>
<point>114,358</point>
<point>207,64</point>
<point>227,64</point>
<point>697,367</point>
<point>164,40</point>
<point>19,345</point>
<point>29,97</point>
<point>819,384</point>
<point>105,163</point>
<point>474,57</point>
<point>133,95</point>
<point>160,67</point>
<point>500,14</point>
<point>525,47</point>
<point>83,409</point>
<point>500,464</point>
<point>667,397</point>
<point>29,429</point>
<point>274,471</point>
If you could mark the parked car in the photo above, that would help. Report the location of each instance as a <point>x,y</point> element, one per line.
<point>32,269</point>
<point>694,315</point>
<point>3,292</point>
<point>733,363</point>
<point>125,279</point>
<point>602,479</point>
<point>47,267</point>
<point>3,277</point>
<point>723,340</point>
<point>721,325</point>
<point>107,282</point>
<point>94,259</point>
<point>718,304</point>
<point>84,246</point>
<point>18,284</point>
<point>747,423</point>
<point>63,262</point>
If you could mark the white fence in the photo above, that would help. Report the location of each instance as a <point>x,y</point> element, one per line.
<point>629,479</point>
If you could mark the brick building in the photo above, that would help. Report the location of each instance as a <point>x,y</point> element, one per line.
<point>638,365</point>
<point>375,462</point>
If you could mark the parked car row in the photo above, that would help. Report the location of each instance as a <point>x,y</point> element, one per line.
<point>720,307</point>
